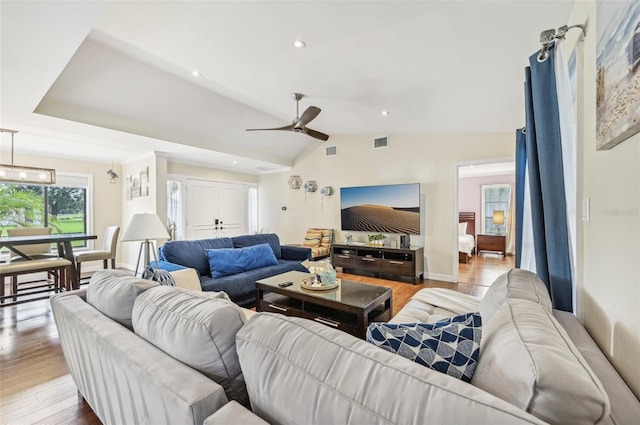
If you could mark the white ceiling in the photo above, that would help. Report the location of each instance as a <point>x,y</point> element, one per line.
<point>109,81</point>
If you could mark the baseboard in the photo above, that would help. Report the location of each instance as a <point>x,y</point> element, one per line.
<point>441,277</point>
<point>97,266</point>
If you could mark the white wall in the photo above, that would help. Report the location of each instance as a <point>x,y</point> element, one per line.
<point>141,204</point>
<point>428,159</point>
<point>609,251</point>
<point>196,172</point>
<point>470,193</point>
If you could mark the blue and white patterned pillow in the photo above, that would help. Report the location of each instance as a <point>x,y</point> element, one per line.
<point>163,277</point>
<point>450,346</point>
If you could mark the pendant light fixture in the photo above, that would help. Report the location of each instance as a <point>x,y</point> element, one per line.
<point>11,173</point>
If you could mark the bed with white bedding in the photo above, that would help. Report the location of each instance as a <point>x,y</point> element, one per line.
<point>466,235</point>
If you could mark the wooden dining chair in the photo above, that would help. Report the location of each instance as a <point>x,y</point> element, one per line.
<point>35,251</point>
<point>108,251</point>
<point>60,269</point>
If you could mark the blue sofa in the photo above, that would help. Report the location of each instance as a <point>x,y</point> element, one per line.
<point>240,287</point>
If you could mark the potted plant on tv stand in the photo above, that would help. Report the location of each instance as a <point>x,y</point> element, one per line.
<point>377,239</point>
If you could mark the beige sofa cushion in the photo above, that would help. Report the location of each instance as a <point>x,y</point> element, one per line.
<point>516,283</point>
<point>187,279</point>
<point>234,413</point>
<point>303,372</point>
<point>527,359</point>
<point>197,328</point>
<point>432,304</point>
<point>113,292</point>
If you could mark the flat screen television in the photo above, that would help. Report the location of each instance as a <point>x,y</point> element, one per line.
<point>393,208</point>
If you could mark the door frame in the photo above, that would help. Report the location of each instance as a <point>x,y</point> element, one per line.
<point>183,191</point>
<point>456,190</point>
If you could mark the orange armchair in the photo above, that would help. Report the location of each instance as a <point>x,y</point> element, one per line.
<point>319,240</point>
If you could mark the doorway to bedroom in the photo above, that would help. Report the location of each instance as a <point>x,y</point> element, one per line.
<point>486,221</point>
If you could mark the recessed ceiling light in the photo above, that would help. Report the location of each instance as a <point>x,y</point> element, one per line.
<point>195,73</point>
<point>385,113</point>
<point>235,162</point>
<point>299,44</point>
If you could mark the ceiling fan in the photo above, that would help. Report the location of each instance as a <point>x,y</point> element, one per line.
<point>299,124</point>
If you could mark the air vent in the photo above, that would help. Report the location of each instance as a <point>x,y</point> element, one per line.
<point>331,150</point>
<point>263,169</point>
<point>380,142</point>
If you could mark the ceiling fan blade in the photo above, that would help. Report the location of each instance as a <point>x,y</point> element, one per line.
<point>286,127</point>
<point>316,134</point>
<point>308,115</point>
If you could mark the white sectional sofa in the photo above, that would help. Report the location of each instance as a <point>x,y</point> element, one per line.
<point>142,353</point>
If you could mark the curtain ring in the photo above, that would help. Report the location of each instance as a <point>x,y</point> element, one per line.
<point>546,38</point>
<point>544,53</point>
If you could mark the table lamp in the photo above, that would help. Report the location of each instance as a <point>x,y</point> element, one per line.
<point>144,227</point>
<point>498,219</point>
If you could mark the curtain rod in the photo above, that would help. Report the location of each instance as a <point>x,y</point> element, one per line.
<point>549,36</point>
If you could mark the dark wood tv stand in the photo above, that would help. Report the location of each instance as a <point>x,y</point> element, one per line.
<point>382,261</point>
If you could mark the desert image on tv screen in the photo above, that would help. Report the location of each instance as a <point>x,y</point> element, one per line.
<point>383,209</point>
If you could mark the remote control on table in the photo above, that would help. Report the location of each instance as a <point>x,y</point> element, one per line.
<point>285,284</point>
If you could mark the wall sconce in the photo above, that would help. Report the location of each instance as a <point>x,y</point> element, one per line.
<point>325,191</point>
<point>311,186</point>
<point>295,182</point>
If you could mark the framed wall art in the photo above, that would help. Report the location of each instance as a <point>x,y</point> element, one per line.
<point>617,77</point>
<point>138,185</point>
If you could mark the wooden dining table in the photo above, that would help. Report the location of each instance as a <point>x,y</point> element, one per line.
<point>62,241</point>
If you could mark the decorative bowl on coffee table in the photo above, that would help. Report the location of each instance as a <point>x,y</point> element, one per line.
<point>315,285</point>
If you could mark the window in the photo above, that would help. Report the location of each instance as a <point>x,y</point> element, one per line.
<point>174,209</point>
<point>252,222</point>
<point>495,197</point>
<point>63,206</point>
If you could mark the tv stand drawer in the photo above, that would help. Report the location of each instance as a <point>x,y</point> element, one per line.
<point>344,260</point>
<point>397,267</point>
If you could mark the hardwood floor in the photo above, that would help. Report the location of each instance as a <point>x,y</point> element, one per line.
<point>35,385</point>
<point>484,269</point>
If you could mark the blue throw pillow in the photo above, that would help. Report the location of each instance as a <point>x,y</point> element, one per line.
<point>165,265</point>
<point>228,261</point>
<point>450,346</point>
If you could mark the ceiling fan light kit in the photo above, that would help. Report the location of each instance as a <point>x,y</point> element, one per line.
<point>299,124</point>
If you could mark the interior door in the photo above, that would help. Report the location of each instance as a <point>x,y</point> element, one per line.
<point>215,209</point>
<point>232,209</point>
<point>201,209</point>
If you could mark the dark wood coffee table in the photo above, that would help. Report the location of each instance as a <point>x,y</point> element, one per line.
<point>350,307</point>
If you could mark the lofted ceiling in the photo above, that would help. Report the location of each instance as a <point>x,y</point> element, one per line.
<point>108,81</point>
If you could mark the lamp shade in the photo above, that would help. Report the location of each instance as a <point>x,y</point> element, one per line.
<point>144,227</point>
<point>498,217</point>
